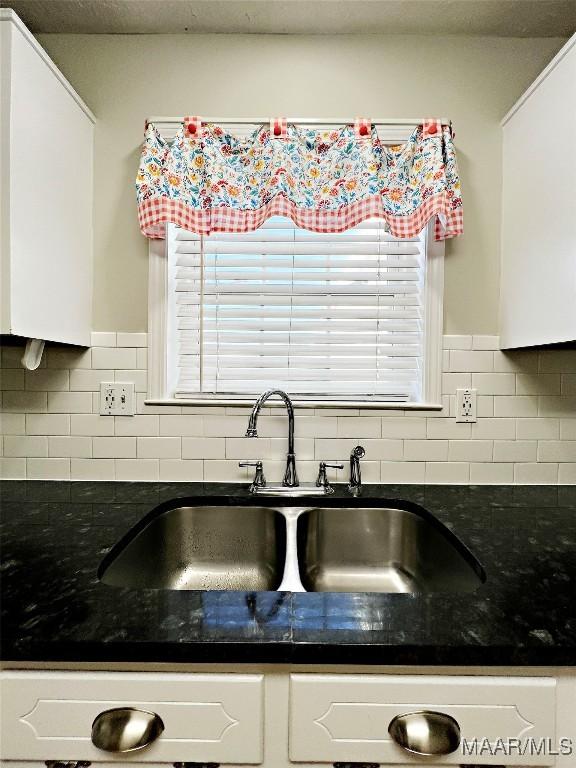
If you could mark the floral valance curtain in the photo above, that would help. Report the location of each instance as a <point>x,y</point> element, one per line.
<point>207,180</point>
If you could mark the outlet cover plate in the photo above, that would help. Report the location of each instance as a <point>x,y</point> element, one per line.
<point>117,398</point>
<point>466,405</point>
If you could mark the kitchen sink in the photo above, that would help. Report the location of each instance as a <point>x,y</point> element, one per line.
<point>204,547</point>
<point>381,550</point>
<point>314,549</point>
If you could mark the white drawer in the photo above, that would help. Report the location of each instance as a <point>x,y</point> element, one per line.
<point>207,718</point>
<point>345,718</point>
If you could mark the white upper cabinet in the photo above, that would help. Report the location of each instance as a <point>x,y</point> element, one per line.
<point>46,147</point>
<point>538,294</point>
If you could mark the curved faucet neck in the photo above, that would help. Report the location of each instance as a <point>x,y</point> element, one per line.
<point>253,421</point>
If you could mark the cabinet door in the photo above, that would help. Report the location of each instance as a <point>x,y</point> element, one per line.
<point>206,718</point>
<point>345,718</point>
<point>538,273</point>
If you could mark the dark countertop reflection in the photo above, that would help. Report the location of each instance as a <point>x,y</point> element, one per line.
<point>55,534</point>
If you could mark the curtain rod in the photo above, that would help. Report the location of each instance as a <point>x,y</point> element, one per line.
<point>392,121</point>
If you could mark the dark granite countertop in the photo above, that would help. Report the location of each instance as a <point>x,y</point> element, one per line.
<point>55,534</point>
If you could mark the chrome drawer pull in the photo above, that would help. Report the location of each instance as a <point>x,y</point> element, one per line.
<point>425,733</point>
<point>125,729</point>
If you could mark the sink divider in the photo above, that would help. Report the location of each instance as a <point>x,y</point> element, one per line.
<point>291,577</point>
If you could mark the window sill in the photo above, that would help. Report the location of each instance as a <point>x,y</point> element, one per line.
<point>315,404</point>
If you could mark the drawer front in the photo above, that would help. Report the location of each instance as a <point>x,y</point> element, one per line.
<point>207,718</point>
<point>345,718</point>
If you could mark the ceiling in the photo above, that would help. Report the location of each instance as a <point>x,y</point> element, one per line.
<point>503,18</point>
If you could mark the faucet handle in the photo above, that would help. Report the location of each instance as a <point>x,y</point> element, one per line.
<point>259,480</point>
<point>322,479</point>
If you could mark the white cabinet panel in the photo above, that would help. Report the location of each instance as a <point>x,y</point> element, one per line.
<point>538,280</point>
<point>49,715</point>
<point>46,145</point>
<point>345,718</point>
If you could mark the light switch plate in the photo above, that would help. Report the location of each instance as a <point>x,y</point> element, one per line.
<point>117,398</point>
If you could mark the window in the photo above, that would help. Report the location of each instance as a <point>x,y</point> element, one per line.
<point>349,317</point>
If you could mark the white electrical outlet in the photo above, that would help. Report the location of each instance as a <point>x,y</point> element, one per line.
<point>117,398</point>
<point>466,405</point>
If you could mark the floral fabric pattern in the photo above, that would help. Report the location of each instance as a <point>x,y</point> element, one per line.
<point>325,181</point>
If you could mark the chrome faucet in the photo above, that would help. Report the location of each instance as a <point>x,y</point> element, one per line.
<point>355,484</point>
<point>290,475</point>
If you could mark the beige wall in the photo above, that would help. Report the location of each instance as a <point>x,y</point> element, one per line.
<point>125,78</point>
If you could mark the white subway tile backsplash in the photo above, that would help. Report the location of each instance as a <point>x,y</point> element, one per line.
<point>470,450</point>
<point>567,473</point>
<point>515,450</point>
<point>385,450</point>
<point>138,378</point>
<point>159,447</point>
<point>516,362</point>
<point>12,424</point>
<point>537,429</point>
<point>12,469</point>
<point>92,424</point>
<point>137,469</point>
<point>488,429</point>
<point>88,380</point>
<point>114,357</point>
<point>517,405</point>
<point>72,447</point>
<point>22,446</point>
<point>136,426</point>
<point>557,406</point>
<point>491,473</point>
<point>447,429</point>
<point>12,378</point>
<point>359,426</point>
<point>426,450</point>
<point>105,339</point>
<point>557,361</point>
<point>494,383</point>
<point>555,450</point>
<point>568,429</point>
<point>182,425</point>
<point>485,342</point>
<point>447,472</point>
<point>203,448</point>
<point>536,474</point>
<point>92,469</point>
<point>114,447</point>
<point>526,428</point>
<point>404,472</point>
<point>70,402</point>
<point>457,342</point>
<point>24,402</point>
<point>538,384</point>
<point>471,362</point>
<point>131,339</point>
<point>172,470</point>
<point>48,469</point>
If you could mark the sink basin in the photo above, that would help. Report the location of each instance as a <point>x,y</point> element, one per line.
<point>382,550</point>
<point>205,547</point>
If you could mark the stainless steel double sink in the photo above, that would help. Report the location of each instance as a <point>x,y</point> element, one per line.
<point>315,549</point>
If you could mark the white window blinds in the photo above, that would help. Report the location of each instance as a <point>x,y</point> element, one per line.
<point>333,315</point>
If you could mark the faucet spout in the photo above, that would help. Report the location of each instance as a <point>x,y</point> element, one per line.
<point>290,475</point>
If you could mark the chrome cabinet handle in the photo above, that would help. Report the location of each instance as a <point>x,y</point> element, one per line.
<point>425,733</point>
<point>125,729</point>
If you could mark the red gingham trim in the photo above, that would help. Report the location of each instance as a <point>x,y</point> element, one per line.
<point>363,127</point>
<point>278,128</point>
<point>155,213</point>
<point>192,127</point>
<point>432,127</point>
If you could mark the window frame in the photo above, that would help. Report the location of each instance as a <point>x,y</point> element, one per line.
<point>160,343</point>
